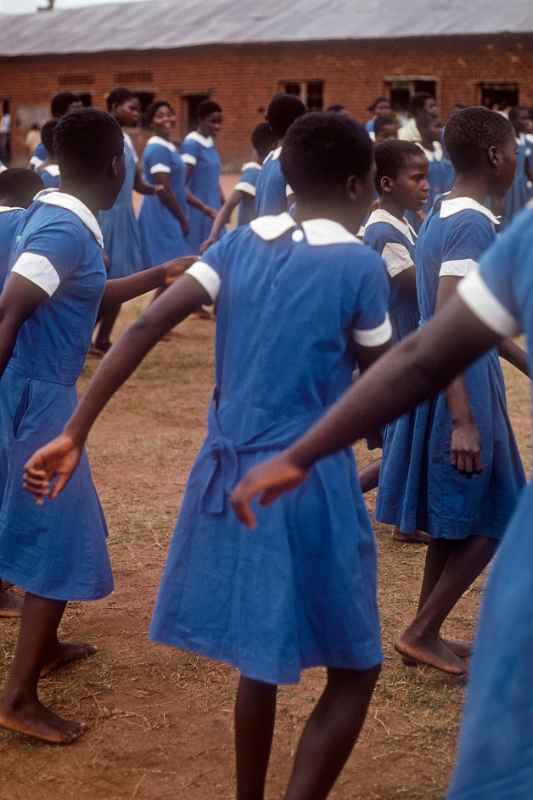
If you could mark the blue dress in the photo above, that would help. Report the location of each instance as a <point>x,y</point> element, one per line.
<point>39,157</point>
<point>519,193</point>
<point>394,240</point>
<point>161,234</point>
<point>10,220</point>
<point>272,190</point>
<point>301,590</point>
<point>494,760</point>
<point>246,185</point>
<point>120,229</point>
<point>200,153</point>
<point>58,550</point>
<point>418,487</point>
<point>50,176</point>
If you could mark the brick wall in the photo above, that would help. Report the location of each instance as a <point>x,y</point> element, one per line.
<point>243,78</point>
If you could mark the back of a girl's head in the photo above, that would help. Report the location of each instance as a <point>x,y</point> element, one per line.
<point>282,111</point>
<point>391,156</point>
<point>263,140</point>
<point>321,151</point>
<point>208,107</point>
<point>470,133</point>
<point>62,102</point>
<point>18,187</point>
<point>47,135</point>
<point>117,97</point>
<point>86,142</point>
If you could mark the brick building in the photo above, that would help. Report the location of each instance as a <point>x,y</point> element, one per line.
<point>240,53</point>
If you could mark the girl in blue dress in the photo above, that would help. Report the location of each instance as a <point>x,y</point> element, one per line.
<point>201,156</point>
<point>272,192</point>
<point>49,170</point>
<point>519,193</point>
<point>48,308</point>
<point>380,108</point>
<point>494,302</point>
<point>243,195</point>
<point>301,592</point>
<point>465,513</point>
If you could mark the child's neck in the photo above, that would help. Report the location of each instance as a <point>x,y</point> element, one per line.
<point>428,144</point>
<point>349,218</point>
<point>475,186</point>
<point>83,192</point>
<point>388,203</point>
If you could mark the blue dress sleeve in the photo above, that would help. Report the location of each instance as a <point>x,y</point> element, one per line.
<point>391,246</point>
<point>190,152</point>
<point>49,256</point>
<point>369,291</point>
<point>209,270</point>
<point>247,182</point>
<point>467,238</point>
<point>157,159</point>
<point>500,293</point>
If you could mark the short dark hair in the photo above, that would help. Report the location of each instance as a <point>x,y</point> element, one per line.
<point>208,107</point>
<point>47,135</point>
<point>377,101</point>
<point>86,141</point>
<point>282,110</point>
<point>152,110</point>
<point>19,186</point>
<point>263,139</point>
<point>322,150</point>
<point>470,133</point>
<point>382,122</point>
<point>117,97</point>
<point>418,102</point>
<point>391,156</point>
<point>61,103</point>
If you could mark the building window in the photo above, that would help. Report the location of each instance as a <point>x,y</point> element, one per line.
<point>402,89</point>
<point>136,77</point>
<point>190,108</point>
<point>76,80</point>
<point>499,96</point>
<point>311,93</point>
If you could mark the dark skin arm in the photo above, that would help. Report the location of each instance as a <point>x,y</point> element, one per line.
<point>515,355</point>
<point>59,458</point>
<point>18,301</point>
<point>120,290</point>
<point>222,218</point>
<point>406,282</point>
<point>410,373</point>
<point>194,201</point>
<point>169,200</point>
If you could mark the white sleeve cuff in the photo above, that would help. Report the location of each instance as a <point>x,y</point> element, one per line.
<point>376,336</point>
<point>487,308</point>
<point>206,277</point>
<point>247,188</point>
<point>457,269</point>
<point>187,158</point>
<point>36,162</point>
<point>39,270</point>
<point>397,258</point>
<point>289,191</point>
<point>159,168</point>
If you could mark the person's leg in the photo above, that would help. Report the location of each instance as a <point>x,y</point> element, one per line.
<point>421,641</point>
<point>106,323</point>
<point>10,603</point>
<point>369,476</point>
<point>255,715</point>
<point>331,733</point>
<point>20,708</point>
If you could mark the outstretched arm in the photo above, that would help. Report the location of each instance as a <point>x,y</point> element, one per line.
<point>515,355</point>
<point>415,369</point>
<point>120,290</point>
<point>222,218</point>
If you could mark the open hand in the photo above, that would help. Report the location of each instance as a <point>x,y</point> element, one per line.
<point>49,469</point>
<point>269,480</point>
<point>466,448</point>
<point>175,268</point>
<point>206,245</point>
<point>210,212</point>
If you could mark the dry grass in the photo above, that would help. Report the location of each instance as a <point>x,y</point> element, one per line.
<point>160,721</point>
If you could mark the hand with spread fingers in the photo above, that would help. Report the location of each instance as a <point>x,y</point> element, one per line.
<point>269,480</point>
<point>50,468</point>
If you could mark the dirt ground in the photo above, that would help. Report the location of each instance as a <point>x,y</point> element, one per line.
<point>160,721</point>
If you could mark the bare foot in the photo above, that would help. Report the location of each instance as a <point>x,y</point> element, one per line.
<point>461,649</point>
<point>33,719</point>
<point>418,537</point>
<point>66,654</point>
<point>432,653</point>
<point>10,604</point>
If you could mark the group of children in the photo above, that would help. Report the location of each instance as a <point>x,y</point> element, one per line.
<point>300,303</point>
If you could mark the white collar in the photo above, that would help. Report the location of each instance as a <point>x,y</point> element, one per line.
<point>3,209</point>
<point>205,141</point>
<point>54,197</point>
<point>521,139</point>
<point>275,154</point>
<point>127,139</point>
<point>457,204</point>
<point>317,231</point>
<point>250,165</point>
<point>160,140</point>
<point>52,169</point>
<point>401,225</point>
<point>432,155</point>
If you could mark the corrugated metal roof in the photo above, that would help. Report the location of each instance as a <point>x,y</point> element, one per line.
<point>163,24</point>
